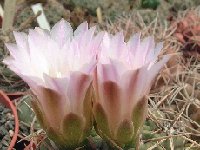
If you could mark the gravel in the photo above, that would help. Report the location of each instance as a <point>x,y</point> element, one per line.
<point>7,125</point>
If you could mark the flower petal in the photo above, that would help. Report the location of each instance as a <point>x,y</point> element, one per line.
<point>107,72</point>
<point>51,101</point>
<point>58,84</point>
<point>154,70</point>
<point>81,28</point>
<point>61,32</point>
<point>22,40</point>
<point>134,43</point>
<point>111,102</point>
<point>13,49</point>
<point>78,85</point>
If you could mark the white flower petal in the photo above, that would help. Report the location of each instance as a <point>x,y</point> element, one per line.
<point>81,28</point>
<point>13,49</point>
<point>21,40</point>
<point>61,32</point>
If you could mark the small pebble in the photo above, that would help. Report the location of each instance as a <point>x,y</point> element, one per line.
<point>11,132</point>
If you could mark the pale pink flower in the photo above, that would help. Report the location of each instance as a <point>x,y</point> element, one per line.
<point>58,66</point>
<point>125,72</point>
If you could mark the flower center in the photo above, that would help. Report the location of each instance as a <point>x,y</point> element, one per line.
<point>58,74</point>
